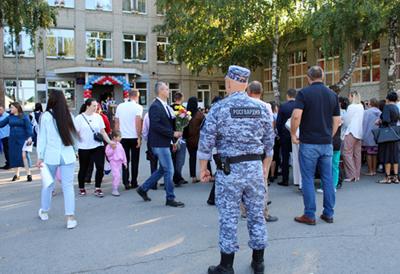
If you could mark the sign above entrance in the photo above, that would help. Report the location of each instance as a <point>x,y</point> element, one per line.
<point>106,80</point>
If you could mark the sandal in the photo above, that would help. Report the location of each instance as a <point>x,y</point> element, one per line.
<point>386,180</point>
<point>395,179</point>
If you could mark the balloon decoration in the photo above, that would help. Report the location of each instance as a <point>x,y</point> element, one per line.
<point>106,80</point>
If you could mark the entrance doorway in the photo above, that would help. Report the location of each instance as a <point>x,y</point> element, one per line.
<point>103,92</point>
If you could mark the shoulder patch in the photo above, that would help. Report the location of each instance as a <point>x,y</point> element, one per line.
<point>245,112</point>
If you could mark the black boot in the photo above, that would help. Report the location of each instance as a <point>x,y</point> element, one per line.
<point>225,266</point>
<point>258,261</point>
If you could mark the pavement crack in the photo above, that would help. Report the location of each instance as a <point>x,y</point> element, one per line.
<point>144,261</point>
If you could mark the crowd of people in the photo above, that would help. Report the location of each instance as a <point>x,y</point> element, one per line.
<point>91,138</point>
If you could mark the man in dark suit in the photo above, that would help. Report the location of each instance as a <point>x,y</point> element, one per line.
<point>285,112</point>
<point>160,138</point>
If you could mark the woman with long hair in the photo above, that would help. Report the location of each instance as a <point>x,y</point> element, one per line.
<point>57,149</point>
<point>352,122</point>
<point>90,124</point>
<point>192,135</point>
<point>20,134</point>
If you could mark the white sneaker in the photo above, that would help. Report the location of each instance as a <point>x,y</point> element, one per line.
<point>71,224</point>
<point>115,193</point>
<point>43,215</point>
<point>319,190</point>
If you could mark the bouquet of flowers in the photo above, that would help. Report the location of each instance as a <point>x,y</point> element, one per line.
<point>182,117</point>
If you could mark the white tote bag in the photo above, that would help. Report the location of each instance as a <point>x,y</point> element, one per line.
<point>47,177</point>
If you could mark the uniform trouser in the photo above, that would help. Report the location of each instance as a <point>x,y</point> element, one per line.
<point>286,148</point>
<point>5,148</point>
<point>296,165</point>
<point>245,182</point>
<point>67,183</point>
<point>352,156</point>
<point>116,173</point>
<point>132,155</point>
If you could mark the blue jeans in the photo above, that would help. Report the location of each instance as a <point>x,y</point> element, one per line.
<point>180,156</point>
<point>311,156</point>
<point>166,169</point>
<point>67,183</point>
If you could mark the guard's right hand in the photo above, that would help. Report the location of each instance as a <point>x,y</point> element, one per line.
<point>177,134</point>
<point>205,175</point>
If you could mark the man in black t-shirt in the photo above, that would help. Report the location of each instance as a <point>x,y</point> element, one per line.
<point>317,113</point>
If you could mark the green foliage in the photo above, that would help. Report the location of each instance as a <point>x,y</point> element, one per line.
<point>217,33</point>
<point>26,15</point>
<point>335,22</point>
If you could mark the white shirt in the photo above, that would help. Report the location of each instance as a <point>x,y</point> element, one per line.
<point>146,126</point>
<point>353,119</point>
<point>168,109</point>
<point>85,133</point>
<point>126,114</point>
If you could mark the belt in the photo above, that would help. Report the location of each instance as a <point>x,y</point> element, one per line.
<point>244,158</point>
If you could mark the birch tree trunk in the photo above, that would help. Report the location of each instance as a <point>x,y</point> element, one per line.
<point>344,79</point>
<point>275,75</point>
<point>393,24</point>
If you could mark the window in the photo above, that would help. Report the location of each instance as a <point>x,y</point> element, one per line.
<point>142,87</point>
<point>104,5</point>
<point>159,10</point>
<point>268,80</point>
<point>162,49</point>
<point>98,45</point>
<point>298,69</point>
<point>173,89</point>
<point>134,6</point>
<point>331,68</point>
<point>135,47</point>
<point>60,43</point>
<point>23,94</point>
<point>368,67</point>
<point>203,95</point>
<point>398,63</point>
<point>67,87</point>
<point>61,3</point>
<point>24,48</point>
<point>221,90</point>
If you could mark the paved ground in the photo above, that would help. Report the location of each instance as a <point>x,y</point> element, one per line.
<point>127,235</point>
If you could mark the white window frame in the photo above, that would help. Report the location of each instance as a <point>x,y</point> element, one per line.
<point>222,91</point>
<point>268,80</point>
<point>22,34</point>
<point>101,45</point>
<point>173,91</point>
<point>134,8</point>
<point>359,68</point>
<point>203,91</point>
<point>61,4</point>
<point>63,45</point>
<point>98,7</point>
<point>397,61</point>
<point>21,91</point>
<point>49,89</point>
<point>141,91</point>
<point>165,45</point>
<point>332,70</point>
<point>134,45</point>
<point>157,11</point>
<point>294,64</point>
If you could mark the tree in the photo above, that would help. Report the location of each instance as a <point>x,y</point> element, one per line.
<point>334,23</point>
<point>208,34</point>
<point>26,15</point>
<point>393,31</point>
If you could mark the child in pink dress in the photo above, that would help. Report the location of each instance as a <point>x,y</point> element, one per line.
<point>117,158</point>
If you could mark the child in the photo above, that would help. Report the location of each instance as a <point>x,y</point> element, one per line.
<point>116,158</point>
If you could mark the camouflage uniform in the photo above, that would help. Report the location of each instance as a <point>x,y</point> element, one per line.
<point>239,125</point>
